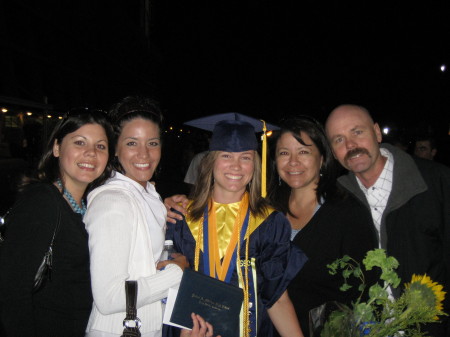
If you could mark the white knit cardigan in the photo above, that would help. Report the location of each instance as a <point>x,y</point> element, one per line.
<point>120,248</point>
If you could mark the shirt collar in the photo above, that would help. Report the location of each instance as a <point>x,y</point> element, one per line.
<point>386,174</point>
<point>149,188</point>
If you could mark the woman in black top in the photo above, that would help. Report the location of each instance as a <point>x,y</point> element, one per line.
<point>326,223</point>
<point>76,160</point>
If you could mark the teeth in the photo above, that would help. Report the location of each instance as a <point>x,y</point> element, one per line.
<point>295,173</point>
<point>356,155</point>
<point>86,165</point>
<point>142,165</point>
<point>233,177</point>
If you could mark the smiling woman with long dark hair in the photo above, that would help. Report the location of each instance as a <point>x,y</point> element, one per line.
<point>75,160</point>
<point>126,224</point>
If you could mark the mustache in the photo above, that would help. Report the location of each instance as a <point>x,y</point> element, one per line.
<point>356,151</point>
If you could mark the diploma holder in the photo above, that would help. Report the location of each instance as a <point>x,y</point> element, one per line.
<point>219,303</point>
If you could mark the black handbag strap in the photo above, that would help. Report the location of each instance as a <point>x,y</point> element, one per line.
<point>131,323</point>
<point>58,222</point>
<point>44,271</point>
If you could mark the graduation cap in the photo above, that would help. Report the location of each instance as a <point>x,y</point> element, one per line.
<point>235,132</point>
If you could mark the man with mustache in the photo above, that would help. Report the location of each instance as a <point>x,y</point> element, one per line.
<point>409,198</point>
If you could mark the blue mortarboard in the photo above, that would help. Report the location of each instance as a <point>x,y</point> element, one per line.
<point>235,132</point>
<point>209,122</point>
<point>233,136</point>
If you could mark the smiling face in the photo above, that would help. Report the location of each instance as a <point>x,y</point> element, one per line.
<point>297,164</point>
<point>83,155</point>
<point>232,172</point>
<point>139,149</point>
<point>354,139</point>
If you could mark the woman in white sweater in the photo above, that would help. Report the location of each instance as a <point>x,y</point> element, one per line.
<point>126,225</point>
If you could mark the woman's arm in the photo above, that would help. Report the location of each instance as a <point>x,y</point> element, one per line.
<point>283,316</point>
<point>110,222</point>
<point>179,203</point>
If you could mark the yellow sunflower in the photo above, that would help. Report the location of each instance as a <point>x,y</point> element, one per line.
<point>424,292</point>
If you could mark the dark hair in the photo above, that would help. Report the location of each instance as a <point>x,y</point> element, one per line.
<point>278,190</point>
<point>48,168</point>
<point>129,108</point>
<point>427,137</point>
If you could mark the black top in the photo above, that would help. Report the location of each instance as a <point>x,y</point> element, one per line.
<point>63,305</point>
<point>338,228</point>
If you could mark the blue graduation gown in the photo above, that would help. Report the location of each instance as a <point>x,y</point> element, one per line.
<point>273,261</point>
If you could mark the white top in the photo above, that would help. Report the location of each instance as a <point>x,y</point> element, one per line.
<point>126,226</point>
<point>377,195</point>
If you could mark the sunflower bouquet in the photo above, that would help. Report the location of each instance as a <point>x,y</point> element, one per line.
<point>381,315</point>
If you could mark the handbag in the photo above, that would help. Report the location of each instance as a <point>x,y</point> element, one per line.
<point>44,271</point>
<point>131,323</point>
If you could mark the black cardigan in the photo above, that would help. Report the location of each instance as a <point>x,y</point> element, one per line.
<point>62,306</point>
<point>341,227</point>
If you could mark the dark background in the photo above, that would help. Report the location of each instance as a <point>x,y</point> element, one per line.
<point>267,59</point>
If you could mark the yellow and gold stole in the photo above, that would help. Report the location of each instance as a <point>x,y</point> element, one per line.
<point>227,226</point>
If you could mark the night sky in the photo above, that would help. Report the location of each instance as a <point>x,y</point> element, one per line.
<point>262,58</point>
<point>269,59</point>
<point>266,59</point>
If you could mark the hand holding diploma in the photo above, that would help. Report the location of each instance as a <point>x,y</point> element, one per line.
<point>201,328</point>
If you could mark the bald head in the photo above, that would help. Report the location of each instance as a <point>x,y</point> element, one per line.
<point>348,110</point>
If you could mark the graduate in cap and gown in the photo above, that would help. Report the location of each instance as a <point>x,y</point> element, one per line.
<point>230,233</point>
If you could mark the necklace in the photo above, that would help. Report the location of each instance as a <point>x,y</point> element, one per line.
<point>76,208</point>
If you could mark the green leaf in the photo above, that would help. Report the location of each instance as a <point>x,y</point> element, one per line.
<point>391,263</point>
<point>375,258</point>
<point>377,292</point>
<point>363,312</point>
<point>391,277</point>
<point>333,267</point>
<point>345,287</point>
<point>347,273</point>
